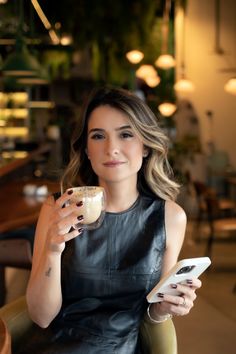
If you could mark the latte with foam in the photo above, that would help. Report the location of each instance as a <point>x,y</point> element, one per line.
<point>93,208</point>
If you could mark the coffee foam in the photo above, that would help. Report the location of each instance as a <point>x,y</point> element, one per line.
<point>92,198</point>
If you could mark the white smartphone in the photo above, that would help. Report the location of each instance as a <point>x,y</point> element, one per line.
<point>183,270</point>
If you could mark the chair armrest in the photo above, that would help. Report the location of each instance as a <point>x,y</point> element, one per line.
<point>16,318</point>
<point>158,338</point>
<point>5,340</point>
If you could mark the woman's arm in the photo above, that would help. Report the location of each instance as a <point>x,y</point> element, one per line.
<point>175,222</point>
<point>44,296</point>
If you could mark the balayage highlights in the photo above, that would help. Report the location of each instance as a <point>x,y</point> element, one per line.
<point>155,175</point>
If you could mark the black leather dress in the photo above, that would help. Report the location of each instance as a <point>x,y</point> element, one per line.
<point>106,275</point>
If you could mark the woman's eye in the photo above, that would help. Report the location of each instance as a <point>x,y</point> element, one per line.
<point>97,136</point>
<point>126,135</point>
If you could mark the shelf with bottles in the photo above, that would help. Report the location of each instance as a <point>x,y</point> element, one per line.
<point>14,115</point>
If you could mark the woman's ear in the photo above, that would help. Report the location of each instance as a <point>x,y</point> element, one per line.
<point>145,152</point>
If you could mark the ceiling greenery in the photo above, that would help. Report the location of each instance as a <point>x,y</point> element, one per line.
<point>107,28</point>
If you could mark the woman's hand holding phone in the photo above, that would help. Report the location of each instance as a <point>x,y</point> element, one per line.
<point>178,305</point>
<point>175,293</point>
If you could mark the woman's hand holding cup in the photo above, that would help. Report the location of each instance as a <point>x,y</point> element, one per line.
<point>92,201</point>
<point>64,216</point>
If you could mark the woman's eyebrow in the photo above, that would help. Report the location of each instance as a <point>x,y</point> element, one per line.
<point>102,130</point>
<point>124,127</point>
<point>95,130</point>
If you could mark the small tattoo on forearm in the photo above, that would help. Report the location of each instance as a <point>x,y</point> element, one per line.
<point>48,272</point>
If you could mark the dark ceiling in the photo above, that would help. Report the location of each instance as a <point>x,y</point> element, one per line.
<point>112,27</point>
<point>85,20</point>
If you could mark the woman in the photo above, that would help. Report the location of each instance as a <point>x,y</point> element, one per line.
<point>89,287</point>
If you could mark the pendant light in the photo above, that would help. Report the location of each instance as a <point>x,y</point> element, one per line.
<point>230,86</point>
<point>167,109</point>
<point>134,56</point>
<point>21,63</point>
<point>165,61</point>
<point>149,74</point>
<point>183,85</point>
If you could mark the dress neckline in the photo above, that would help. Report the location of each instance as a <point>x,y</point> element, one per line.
<point>133,206</point>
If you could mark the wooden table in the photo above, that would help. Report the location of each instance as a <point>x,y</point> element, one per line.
<point>18,210</point>
<point>5,339</point>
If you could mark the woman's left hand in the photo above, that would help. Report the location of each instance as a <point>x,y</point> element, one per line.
<point>178,305</point>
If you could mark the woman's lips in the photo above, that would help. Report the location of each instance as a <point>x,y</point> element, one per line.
<point>113,163</point>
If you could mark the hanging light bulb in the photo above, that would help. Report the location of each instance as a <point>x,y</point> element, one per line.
<point>230,86</point>
<point>184,85</point>
<point>149,74</point>
<point>66,40</point>
<point>167,108</point>
<point>165,61</point>
<point>145,71</point>
<point>152,81</point>
<point>134,56</point>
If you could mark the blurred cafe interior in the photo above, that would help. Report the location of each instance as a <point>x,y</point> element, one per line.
<point>179,56</point>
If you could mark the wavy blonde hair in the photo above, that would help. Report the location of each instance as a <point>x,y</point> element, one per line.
<point>155,175</point>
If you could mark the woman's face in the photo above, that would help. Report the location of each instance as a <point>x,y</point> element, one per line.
<point>114,150</point>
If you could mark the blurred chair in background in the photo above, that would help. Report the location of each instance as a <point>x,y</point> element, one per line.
<point>222,226</point>
<point>225,207</point>
<point>16,253</point>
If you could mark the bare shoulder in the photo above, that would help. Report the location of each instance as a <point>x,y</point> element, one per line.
<point>175,224</point>
<point>174,213</point>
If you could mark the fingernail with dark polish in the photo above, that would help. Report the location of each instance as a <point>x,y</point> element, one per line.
<point>70,191</point>
<point>189,281</point>
<point>174,286</point>
<point>79,204</point>
<point>160,295</point>
<point>81,230</point>
<point>79,218</point>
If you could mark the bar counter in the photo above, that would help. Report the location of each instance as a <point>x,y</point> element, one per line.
<point>12,160</point>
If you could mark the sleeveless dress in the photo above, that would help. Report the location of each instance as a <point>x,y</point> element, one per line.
<point>106,275</point>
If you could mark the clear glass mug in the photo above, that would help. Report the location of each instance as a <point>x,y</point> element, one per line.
<point>93,208</point>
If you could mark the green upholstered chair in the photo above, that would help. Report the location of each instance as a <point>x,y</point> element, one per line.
<point>157,338</point>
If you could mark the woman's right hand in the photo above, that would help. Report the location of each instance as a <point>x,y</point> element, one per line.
<point>60,229</point>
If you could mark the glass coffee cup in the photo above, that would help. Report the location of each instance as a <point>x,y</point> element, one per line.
<point>93,208</point>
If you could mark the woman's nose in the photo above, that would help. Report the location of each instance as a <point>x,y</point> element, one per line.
<point>112,147</point>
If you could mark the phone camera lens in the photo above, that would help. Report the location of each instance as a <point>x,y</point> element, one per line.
<point>186,269</point>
